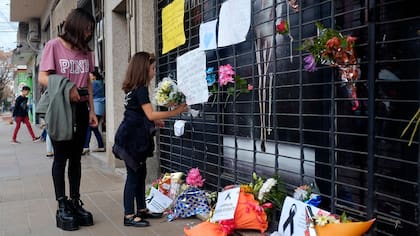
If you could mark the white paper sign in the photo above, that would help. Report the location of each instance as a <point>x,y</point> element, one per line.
<point>227,201</point>
<point>157,201</point>
<point>208,35</point>
<point>293,217</point>
<point>191,76</point>
<point>234,22</point>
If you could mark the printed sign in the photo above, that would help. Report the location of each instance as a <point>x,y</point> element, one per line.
<point>293,217</point>
<point>227,201</point>
<point>157,201</point>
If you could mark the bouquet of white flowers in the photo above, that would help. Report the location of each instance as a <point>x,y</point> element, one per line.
<point>168,94</point>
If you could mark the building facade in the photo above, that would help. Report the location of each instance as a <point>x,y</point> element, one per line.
<point>302,126</point>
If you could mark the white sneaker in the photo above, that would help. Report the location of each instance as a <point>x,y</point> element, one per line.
<point>102,149</point>
<point>85,151</point>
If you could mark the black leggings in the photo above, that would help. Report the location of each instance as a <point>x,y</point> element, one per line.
<point>71,150</point>
<point>135,188</point>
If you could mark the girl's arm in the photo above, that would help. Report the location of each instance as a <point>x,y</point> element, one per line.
<point>43,78</point>
<point>158,115</point>
<point>93,120</point>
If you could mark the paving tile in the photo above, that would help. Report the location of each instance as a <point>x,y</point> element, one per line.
<point>28,205</point>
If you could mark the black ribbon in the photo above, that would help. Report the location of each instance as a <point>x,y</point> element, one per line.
<point>292,213</point>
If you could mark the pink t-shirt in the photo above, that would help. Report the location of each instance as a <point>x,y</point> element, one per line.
<point>72,64</point>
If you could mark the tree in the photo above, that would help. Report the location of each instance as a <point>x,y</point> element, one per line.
<point>6,76</point>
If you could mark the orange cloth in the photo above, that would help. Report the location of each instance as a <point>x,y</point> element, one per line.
<point>344,229</point>
<point>205,229</point>
<point>249,214</point>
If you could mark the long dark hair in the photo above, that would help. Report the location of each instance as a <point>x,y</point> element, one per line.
<point>77,23</point>
<point>137,74</point>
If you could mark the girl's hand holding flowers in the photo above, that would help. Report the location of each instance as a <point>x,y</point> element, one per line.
<point>181,108</point>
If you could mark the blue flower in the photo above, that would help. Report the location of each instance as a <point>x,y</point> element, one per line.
<point>211,76</point>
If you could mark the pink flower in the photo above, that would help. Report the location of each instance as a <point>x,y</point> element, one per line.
<point>194,178</point>
<point>226,74</point>
<point>228,226</point>
<point>250,87</point>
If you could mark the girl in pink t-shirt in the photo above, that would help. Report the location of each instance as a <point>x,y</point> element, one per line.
<point>69,55</point>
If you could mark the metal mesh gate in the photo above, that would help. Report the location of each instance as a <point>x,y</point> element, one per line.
<point>303,126</point>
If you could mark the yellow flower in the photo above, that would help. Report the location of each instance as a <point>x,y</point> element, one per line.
<point>246,188</point>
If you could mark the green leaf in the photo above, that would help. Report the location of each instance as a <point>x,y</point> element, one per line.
<point>231,90</point>
<point>214,89</point>
<point>343,218</point>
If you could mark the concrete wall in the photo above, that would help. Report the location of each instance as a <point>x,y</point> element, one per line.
<point>125,34</point>
<point>60,13</point>
<point>116,61</point>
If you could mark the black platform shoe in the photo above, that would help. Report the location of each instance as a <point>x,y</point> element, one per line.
<point>84,217</point>
<point>131,221</point>
<point>64,216</point>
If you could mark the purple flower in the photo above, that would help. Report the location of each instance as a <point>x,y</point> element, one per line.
<point>310,64</point>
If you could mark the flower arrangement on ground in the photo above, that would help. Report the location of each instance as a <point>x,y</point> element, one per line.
<point>270,193</point>
<point>326,224</point>
<point>167,93</point>
<point>270,190</point>
<point>192,200</point>
<point>255,198</point>
<point>308,194</point>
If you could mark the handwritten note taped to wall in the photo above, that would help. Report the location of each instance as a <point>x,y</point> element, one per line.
<point>191,76</point>
<point>234,22</point>
<point>173,34</point>
<point>208,35</point>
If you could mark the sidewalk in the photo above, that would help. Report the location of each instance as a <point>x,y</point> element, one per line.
<point>27,203</point>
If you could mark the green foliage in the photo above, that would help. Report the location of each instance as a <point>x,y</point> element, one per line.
<point>317,45</point>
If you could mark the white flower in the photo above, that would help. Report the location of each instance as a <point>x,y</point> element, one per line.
<point>266,187</point>
<point>167,93</point>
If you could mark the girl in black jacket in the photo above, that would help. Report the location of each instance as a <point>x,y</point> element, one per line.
<point>134,137</point>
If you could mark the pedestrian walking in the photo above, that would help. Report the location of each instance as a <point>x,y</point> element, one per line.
<point>20,114</point>
<point>64,69</point>
<point>134,137</point>
<point>49,147</point>
<point>98,88</point>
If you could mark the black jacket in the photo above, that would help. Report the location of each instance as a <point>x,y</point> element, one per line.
<point>21,107</point>
<point>134,139</point>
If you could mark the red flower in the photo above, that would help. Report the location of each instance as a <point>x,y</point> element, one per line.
<point>333,43</point>
<point>282,27</point>
<point>351,40</point>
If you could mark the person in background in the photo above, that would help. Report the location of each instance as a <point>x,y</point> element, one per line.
<point>20,114</point>
<point>134,137</point>
<point>64,69</point>
<point>98,88</point>
<point>49,147</point>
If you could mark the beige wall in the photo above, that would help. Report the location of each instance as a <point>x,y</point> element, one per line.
<point>116,61</point>
<point>60,13</point>
<point>124,37</point>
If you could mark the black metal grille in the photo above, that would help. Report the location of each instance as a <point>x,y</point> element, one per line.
<point>301,125</point>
